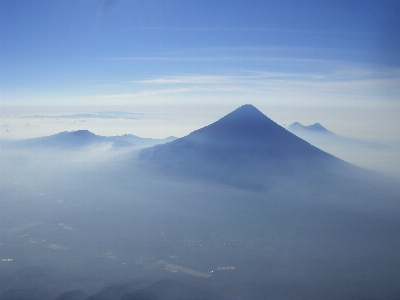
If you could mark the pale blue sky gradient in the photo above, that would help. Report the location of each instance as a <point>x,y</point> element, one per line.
<point>285,57</point>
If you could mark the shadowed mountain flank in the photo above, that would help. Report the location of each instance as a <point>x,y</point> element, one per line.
<point>246,149</point>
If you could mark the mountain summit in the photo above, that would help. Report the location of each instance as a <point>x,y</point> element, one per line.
<point>245,148</point>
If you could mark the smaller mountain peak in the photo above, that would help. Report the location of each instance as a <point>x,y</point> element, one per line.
<point>317,126</point>
<point>296,125</point>
<point>82,133</point>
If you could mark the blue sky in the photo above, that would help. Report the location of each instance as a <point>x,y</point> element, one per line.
<point>333,62</point>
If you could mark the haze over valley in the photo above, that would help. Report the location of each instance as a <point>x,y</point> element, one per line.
<point>240,208</point>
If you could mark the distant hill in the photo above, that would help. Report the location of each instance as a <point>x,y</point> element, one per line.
<point>246,149</point>
<point>318,135</point>
<point>70,140</point>
<point>373,155</point>
<point>65,140</point>
<point>138,141</point>
<point>314,128</point>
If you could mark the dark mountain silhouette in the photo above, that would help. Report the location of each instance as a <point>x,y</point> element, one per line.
<point>245,148</point>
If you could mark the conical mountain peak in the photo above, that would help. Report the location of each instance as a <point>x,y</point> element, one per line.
<point>246,113</point>
<point>246,109</point>
<point>244,148</point>
<point>243,124</point>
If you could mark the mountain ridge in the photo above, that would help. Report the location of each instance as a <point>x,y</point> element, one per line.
<point>82,138</point>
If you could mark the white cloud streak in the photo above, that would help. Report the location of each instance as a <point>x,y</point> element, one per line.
<point>344,85</point>
<point>249,29</point>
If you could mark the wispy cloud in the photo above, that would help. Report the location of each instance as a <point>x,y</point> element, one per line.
<point>213,57</point>
<point>244,29</point>
<point>187,79</point>
<point>346,81</point>
<point>247,77</point>
<point>147,93</point>
<point>345,73</point>
<point>274,74</point>
<point>99,115</point>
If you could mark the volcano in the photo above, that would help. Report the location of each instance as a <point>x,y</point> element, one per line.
<point>246,149</point>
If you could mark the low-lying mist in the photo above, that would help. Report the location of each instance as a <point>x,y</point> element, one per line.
<point>379,156</point>
<point>93,222</point>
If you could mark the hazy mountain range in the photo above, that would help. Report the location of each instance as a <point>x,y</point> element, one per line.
<point>83,138</point>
